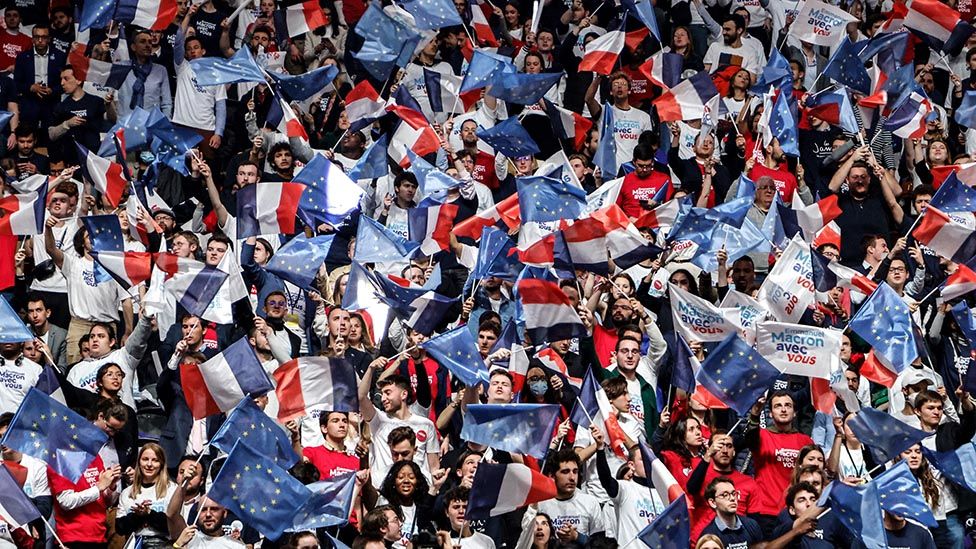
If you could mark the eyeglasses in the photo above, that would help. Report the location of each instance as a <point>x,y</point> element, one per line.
<point>897,270</point>
<point>734,494</point>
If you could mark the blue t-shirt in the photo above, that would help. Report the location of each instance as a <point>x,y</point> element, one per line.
<point>746,535</point>
<point>912,536</point>
<point>828,534</point>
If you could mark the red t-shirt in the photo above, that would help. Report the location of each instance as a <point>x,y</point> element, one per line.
<point>8,273</point>
<point>702,514</point>
<point>785,181</point>
<point>634,190</point>
<point>680,468</point>
<point>484,170</point>
<point>329,462</point>
<point>775,462</point>
<point>12,45</point>
<point>85,523</point>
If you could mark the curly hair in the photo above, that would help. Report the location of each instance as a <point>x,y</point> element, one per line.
<point>392,495</point>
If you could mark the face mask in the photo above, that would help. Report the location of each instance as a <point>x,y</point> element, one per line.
<point>538,388</point>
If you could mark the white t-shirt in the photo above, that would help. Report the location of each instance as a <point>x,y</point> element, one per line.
<point>15,380</point>
<point>203,541</point>
<point>381,458</point>
<point>746,56</point>
<point>635,507</point>
<point>194,105</point>
<point>588,475</point>
<point>477,541</point>
<point>36,484</point>
<point>82,375</point>
<point>131,497</point>
<point>413,78</point>
<point>87,299</point>
<point>63,239</point>
<point>581,511</point>
<point>627,128</point>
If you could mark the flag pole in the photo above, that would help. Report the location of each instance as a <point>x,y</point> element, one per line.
<point>53,533</point>
<point>736,425</point>
<point>787,33</point>
<point>336,144</point>
<point>915,223</point>
<point>930,294</point>
<point>585,411</point>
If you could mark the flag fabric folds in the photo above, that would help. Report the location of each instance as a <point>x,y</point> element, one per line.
<point>499,488</point>
<point>248,423</point>
<point>884,435</point>
<point>516,428</point>
<point>315,382</point>
<point>220,383</point>
<point>737,374</point>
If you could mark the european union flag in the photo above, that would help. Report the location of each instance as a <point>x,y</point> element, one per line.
<point>494,256</point>
<point>885,322</point>
<point>586,406</point>
<point>899,494</point>
<point>671,529</point>
<point>695,226</point>
<point>884,435</point>
<point>958,465</point>
<point>521,88</point>
<point>683,373</point>
<point>214,71</point>
<point>899,88</point>
<point>388,42</point>
<point>376,244</point>
<point>160,127</point>
<point>248,423</point>
<point>848,69</point>
<point>329,195</point>
<point>777,73</point>
<point>105,232</point>
<point>509,138</point>
<point>256,489</point>
<point>96,13</point>
<point>859,510</point>
<point>733,212</point>
<point>606,151</point>
<point>736,374</point>
<point>483,68</point>
<point>372,163</point>
<point>967,325</point>
<point>737,241</point>
<point>954,195</point>
<point>51,432</point>
<point>517,428</point>
<point>783,124</point>
<point>432,182</point>
<point>302,86</point>
<point>329,505</point>
<point>12,328</point>
<point>893,44</point>
<point>361,288</point>
<point>644,10</point>
<point>543,199</point>
<point>432,14</point>
<point>299,260</point>
<point>747,187</point>
<point>136,127</point>
<point>457,351</point>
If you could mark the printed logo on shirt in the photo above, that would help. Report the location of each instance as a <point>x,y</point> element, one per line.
<point>572,520</point>
<point>421,436</point>
<point>787,457</point>
<point>626,129</point>
<point>91,476</point>
<point>89,278</point>
<point>12,379</point>
<point>206,28</point>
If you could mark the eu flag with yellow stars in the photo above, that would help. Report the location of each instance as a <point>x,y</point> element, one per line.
<point>899,494</point>
<point>543,199</point>
<point>671,529</point>
<point>516,428</point>
<point>457,351</point>
<point>249,423</point>
<point>509,138</point>
<point>847,68</point>
<point>885,322</point>
<point>432,14</point>
<point>299,260</point>
<point>859,510</point>
<point>49,431</point>
<point>885,435</point>
<point>254,488</point>
<point>736,373</point>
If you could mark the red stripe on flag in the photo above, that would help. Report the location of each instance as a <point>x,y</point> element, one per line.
<point>288,389</point>
<point>138,266</point>
<point>933,220</point>
<point>198,397</point>
<point>287,212</point>
<point>873,370</point>
<point>541,489</point>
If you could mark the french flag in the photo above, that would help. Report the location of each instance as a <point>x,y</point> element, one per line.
<point>812,218</point>
<point>662,216</point>
<point>304,17</point>
<point>948,234</point>
<point>687,100</point>
<point>127,268</point>
<point>586,240</point>
<point>220,383</point>
<point>414,133</point>
<point>173,265</point>
<point>601,54</point>
<point>851,279</point>
<point>107,176</point>
<point>932,18</point>
<point>315,381</point>
<point>148,14</point>
<point>23,214</point>
<point>663,68</point>
<point>830,234</point>
<point>959,283</point>
<point>908,121</point>
<point>428,312</point>
<point>506,211</point>
<point>432,227</point>
<point>268,208</point>
<point>568,124</point>
<point>549,316</point>
<point>443,93</point>
<point>99,73</point>
<point>627,246</point>
<point>282,118</point>
<point>479,21</point>
<point>594,408</point>
<point>659,476</point>
<point>196,289</point>
<point>363,105</point>
<point>499,488</point>
<point>551,360</point>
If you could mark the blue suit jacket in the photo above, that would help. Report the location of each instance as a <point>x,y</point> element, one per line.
<point>33,107</point>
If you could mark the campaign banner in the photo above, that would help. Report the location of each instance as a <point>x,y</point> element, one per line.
<point>821,24</point>
<point>697,319</point>
<point>800,350</point>
<point>788,291</point>
<point>745,312</point>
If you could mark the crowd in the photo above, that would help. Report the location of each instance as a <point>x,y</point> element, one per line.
<point>514,274</point>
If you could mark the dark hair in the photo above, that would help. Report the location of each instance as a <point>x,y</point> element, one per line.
<point>5,419</point>
<point>305,472</point>
<point>926,396</point>
<point>458,493</point>
<point>324,417</point>
<point>404,176</point>
<point>375,521</point>
<point>400,382</point>
<point>32,297</point>
<point>797,488</point>
<point>566,455</point>
<point>194,38</point>
<point>109,329</point>
<point>490,326</point>
<point>737,20</point>
<point>222,238</point>
<point>644,152</point>
<point>675,436</point>
<point>921,190</point>
<point>869,240</point>
<point>621,339</point>
<point>110,409</point>
<point>390,492</point>
<point>710,489</point>
<point>400,434</point>
<point>24,130</point>
<point>279,146</point>
<point>781,393</point>
<point>614,387</point>
<point>502,372</point>
<point>103,369</point>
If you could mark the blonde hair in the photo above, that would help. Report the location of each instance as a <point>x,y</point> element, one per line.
<point>709,538</point>
<point>162,478</point>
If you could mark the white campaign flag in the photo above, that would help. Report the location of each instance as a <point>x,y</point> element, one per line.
<point>821,24</point>
<point>696,319</point>
<point>788,291</point>
<point>797,349</point>
<point>743,310</point>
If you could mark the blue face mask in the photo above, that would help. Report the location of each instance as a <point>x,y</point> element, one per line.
<point>538,388</point>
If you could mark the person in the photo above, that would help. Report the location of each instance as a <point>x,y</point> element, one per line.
<point>332,458</point>
<point>718,462</point>
<point>37,72</point>
<point>575,515</point>
<point>734,48</point>
<point>733,530</point>
<point>80,116</point>
<point>208,530</point>
<point>456,501</point>
<point>142,506</point>
<point>55,337</point>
